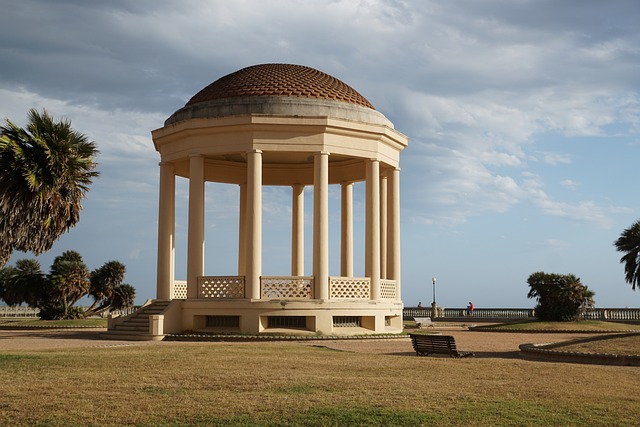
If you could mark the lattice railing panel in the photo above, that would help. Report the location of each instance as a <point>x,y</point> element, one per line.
<point>349,288</point>
<point>286,287</point>
<point>179,289</point>
<point>221,287</point>
<point>388,289</point>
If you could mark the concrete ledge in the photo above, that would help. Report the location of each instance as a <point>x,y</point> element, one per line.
<point>242,337</point>
<point>547,331</point>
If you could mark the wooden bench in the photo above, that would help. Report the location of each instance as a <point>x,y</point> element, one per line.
<point>424,345</point>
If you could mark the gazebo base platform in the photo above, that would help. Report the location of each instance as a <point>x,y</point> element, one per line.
<point>262,317</point>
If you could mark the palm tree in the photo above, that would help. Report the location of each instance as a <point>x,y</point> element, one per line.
<point>23,284</point>
<point>123,297</point>
<point>104,282</point>
<point>629,244</point>
<point>68,281</point>
<point>45,172</point>
<point>576,295</point>
<point>560,296</point>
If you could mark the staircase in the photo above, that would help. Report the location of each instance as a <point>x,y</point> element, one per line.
<point>136,325</point>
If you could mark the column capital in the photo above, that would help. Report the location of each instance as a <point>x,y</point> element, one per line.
<point>254,150</point>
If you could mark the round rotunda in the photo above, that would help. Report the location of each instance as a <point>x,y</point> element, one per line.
<point>293,126</point>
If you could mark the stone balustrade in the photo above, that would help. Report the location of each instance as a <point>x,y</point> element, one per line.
<point>18,311</point>
<point>358,288</point>
<point>608,314</point>
<point>283,287</point>
<point>220,287</point>
<point>286,287</point>
<point>614,314</point>
<point>179,289</point>
<point>388,289</point>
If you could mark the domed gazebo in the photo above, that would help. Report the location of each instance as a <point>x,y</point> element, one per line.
<point>281,125</point>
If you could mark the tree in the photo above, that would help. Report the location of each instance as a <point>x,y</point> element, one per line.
<point>123,297</point>
<point>561,297</point>
<point>45,172</point>
<point>23,284</point>
<point>629,244</point>
<point>107,288</point>
<point>68,282</point>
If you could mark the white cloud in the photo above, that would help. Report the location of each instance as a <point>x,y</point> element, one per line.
<point>584,211</point>
<point>568,183</point>
<point>556,158</point>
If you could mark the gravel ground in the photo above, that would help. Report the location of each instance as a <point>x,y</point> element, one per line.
<point>483,344</point>
<point>53,339</point>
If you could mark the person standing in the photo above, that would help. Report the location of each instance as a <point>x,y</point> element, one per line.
<point>470,309</point>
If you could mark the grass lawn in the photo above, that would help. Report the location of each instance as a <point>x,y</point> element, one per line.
<point>584,325</point>
<point>285,384</point>
<point>623,345</point>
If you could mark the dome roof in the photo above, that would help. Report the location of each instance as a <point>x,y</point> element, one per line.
<point>279,80</point>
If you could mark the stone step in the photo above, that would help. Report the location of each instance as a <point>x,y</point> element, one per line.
<point>142,326</point>
<point>136,326</point>
<point>129,336</point>
<point>131,328</point>
<point>139,319</point>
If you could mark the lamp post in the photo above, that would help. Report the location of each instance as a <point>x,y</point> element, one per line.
<point>433,280</point>
<point>434,306</point>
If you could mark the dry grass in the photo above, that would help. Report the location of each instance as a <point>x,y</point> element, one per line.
<point>585,325</point>
<point>627,345</point>
<point>279,384</point>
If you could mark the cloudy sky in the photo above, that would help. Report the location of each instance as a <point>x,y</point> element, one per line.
<point>523,120</point>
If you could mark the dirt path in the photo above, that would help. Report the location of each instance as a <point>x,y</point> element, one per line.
<point>52,339</point>
<point>484,344</point>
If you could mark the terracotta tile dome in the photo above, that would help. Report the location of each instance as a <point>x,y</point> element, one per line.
<point>280,80</point>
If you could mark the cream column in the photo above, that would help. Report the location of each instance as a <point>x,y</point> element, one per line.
<point>321,225</point>
<point>393,242</point>
<point>372,232</point>
<point>195,245</point>
<point>254,224</point>
<point>383,226</point>
<point>242,231</point>
<point>297,230</point>
<point>346,230</point>
<point>166,232</point>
